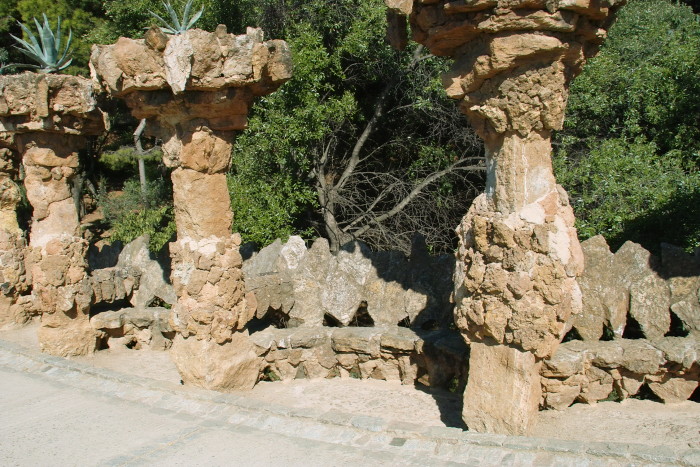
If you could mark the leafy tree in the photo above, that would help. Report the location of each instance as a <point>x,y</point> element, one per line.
<point>629,153</point>
<point>361,143</point>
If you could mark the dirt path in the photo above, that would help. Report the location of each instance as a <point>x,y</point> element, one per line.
<point>632,421</point>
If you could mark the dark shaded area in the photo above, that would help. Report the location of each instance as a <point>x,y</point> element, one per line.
<point>273,318</point>
<point>572,335</point>
<point>404,323</point>
<point>694,4</point>
<point>109,306</point>
<point>608,334</point>
<point>646,394</point>
<point>362,318</point>
<point>677,328</point>
<point>695,396</point>
<point>632,329</point>
<point>651,229</point>
<point>449,404</point>
<point>331,322</point>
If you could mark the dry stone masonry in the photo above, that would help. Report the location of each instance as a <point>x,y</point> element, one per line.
<point>305,287</point>
<point>13,279</point>
<point>515,283</point>
<point>639,332</point>
<point>50,117</point>
<point>195,91</point>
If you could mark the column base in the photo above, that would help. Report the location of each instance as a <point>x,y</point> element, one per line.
<point>220,367</point>
<point>503,390</point>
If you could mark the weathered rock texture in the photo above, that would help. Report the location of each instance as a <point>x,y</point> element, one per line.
<point>13,279</point>
<point>134,328</point>
<point>391,353</point>
<point>633,291</point>
<point>136,277</point>
<point>50,117</point>
<point>305,287</point>
<point>638,329</point>
<point>195,90</point>
<point>614,370</point>
<point>519,255</point>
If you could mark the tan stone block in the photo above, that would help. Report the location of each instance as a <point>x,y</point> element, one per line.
<point>503,390</point>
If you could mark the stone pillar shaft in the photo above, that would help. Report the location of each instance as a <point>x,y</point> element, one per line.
<point>13,280</point>
<point>50,117</point>
<point>195,91</point>
<point>519,255</point>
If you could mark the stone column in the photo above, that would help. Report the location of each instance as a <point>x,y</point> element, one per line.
<point>518,257</point>
<point>50,117</point>
<point>195,91</point>
<point>13,280</point>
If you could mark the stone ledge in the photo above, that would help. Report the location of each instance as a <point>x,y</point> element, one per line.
<point>231,408</point>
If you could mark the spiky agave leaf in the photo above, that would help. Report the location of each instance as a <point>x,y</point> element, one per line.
<point>46,53</point>
<point>177,25</point>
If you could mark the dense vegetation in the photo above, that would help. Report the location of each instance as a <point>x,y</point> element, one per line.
<point>630,151</point>
<point>363,144</point>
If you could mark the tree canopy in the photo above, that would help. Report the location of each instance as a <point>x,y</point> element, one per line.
<point>629,153</point>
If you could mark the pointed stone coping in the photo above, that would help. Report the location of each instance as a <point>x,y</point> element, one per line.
<point>194,61</point>
<point>363,432</point>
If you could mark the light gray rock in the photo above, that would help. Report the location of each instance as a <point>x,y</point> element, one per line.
<point>152,283</point>
<point>681,350</point>
<point>650,296</point>
<point>605,297</point>
<point>650,302</point>
<point>309,283</point>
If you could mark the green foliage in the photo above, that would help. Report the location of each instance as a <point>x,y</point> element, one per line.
<point>644,81</point>
<point>628,154</point>
<point>177,24</point>
<point>628,191</point>
<point>4,67</point>
<point>48,53</point>
<point>265,210</point>
<point>128,17</point>
<point>125,158</point>
<point>131,215</point>
<point>82,17</point>
<point>342,67</point>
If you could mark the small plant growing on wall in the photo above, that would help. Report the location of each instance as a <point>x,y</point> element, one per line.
<point>46,51</point>
<point>177,24</point>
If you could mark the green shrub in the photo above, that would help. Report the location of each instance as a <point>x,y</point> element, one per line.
<point>266,209</point>
<point>130,214</point>
<point>628,191</point>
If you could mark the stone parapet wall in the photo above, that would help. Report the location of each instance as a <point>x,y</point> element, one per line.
<point>134,328</point>
<point>615,370</point>
<point>391,353</point>
<point>309,285</point>
<point>635,291</point>
<point>639,329</point>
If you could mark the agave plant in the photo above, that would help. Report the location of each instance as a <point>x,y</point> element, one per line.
<point>48,53</point>
<point>178,24</point>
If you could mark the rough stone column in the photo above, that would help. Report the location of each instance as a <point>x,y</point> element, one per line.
<point>50,117</point>
<point>195,91</point>
<point>515,283</point>
<point>13,280</point>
